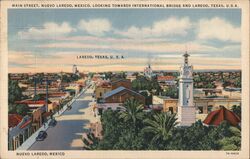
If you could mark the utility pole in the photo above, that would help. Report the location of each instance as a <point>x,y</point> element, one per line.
<point>35,87</point>
<point>46,94</point>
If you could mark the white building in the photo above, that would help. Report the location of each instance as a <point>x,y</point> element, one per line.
<point>148,72</point>
<point>74,69</point>
<point>186,108</point>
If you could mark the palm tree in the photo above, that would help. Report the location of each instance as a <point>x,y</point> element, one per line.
<point>133,111</point>
<point>161,126</point>
<point>90,142</point>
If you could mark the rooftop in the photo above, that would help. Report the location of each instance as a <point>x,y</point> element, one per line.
<point>111,93</point>
<point>117,90</point>
<point>217,116</point>
<point>14,120</point>
<point>29,101</point>
<point>165,78</point>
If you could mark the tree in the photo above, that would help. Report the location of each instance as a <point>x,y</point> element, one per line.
<point>160,126</point>
<point>108,75</point>
<point>90,142</point>
<point>12,108</point>
<point>200,137</point>
<point>22,109</point>
<point>148,97</point>
<point>130,140</point>
<point>14,91</point>
<point>194,137</point>
<point>65,78</point>
<point>90,74</point>
<point>171,92</point>
<point>142,83</point>
<point>135,74</point>
<point>230,137</point>
<point>38,97</point>
<point>133,112</point>
<point>113,128</point>
<point>237,82</point>
<point>237,110</point>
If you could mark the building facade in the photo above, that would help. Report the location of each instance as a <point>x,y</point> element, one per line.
<point>19,132</point>
<point>203,106</point>
<point>121,94</point>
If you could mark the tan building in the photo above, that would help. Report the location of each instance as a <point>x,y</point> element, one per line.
<point>101,89</point>
<point>121,94</point>
<point>203,105</point>
<point>37,119</point>
<point>170,105</point>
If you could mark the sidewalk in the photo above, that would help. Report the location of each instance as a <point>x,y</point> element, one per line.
<point>32,139</point>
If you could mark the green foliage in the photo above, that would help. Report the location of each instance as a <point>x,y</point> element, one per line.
<point>148,98</point>
<point>118,76</point>
<point>231,139</point>
<point>108,75</point>
<point>134,129</point>
<point>142,83</point>
<point>237,82</point>
<point>90,142</point>
<point>237,110</point>
<point>113,127</point>
<point>189,138</point>
<point>170,92</point>
<point>230,143</point>
<point>69,78</point>
<point>12,108</point>
<point>130,141</point>
<point>14,91</point>
<point>133,112</point>
<point>38,97</point>
<point>21,109</point>
<point>90,75</point>
<point>160,126</point>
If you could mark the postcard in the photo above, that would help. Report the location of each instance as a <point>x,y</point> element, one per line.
<point>124,79</point>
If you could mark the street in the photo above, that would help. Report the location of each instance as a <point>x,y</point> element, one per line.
<point>67,134</point>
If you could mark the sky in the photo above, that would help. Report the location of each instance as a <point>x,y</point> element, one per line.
<point>49,40</point>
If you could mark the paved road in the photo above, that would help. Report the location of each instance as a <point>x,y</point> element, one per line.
<point>67,134</point>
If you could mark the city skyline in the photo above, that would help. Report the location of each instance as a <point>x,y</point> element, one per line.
<point>51,40</point>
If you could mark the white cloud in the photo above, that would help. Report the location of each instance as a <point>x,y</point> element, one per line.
<point>95,26</point>
<point>154,46</point>
<point>49,30</point>
<point>170,26</point>
<point>218,28</point>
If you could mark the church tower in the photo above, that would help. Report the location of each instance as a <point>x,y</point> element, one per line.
<point>186,108</point>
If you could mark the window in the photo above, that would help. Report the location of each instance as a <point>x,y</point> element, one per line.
<point>200,108</point>
<point>171,109</point>
<point>100,94</point>
<point>209,108</point>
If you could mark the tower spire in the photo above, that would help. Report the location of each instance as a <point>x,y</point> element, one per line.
<point>186,55</point>
<point>186,108</point>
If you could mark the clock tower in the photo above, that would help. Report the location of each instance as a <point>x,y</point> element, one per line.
<point>186,108</point>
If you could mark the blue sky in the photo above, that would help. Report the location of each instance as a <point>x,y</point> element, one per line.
<point>54,37</point>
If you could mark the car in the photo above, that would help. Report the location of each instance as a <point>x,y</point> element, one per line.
<point>69,107</point>
<point>41,136</point>
<point>52,123</point>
